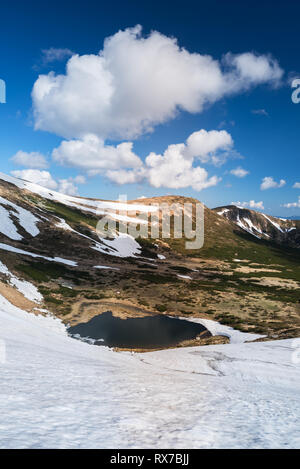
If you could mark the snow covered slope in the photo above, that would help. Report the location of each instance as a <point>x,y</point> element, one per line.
<point>27,217</point>
<point>95,206</point>
<point>263,226</point>
<point>61,393</point>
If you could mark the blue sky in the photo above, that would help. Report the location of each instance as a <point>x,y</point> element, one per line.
<point>260,118</point>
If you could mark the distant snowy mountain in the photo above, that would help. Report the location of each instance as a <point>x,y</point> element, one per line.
<point>262,226</point>
<point>290,218</point>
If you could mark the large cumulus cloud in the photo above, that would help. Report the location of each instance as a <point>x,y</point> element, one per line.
<point>137,82</point>
<point>177,167</point>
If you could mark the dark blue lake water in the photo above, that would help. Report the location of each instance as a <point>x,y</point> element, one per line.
<point>146,332</point>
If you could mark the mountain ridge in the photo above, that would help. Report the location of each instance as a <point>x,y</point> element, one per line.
<point>262,226</point>
<point>49,240</point>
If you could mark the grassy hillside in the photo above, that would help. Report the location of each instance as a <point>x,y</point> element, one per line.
<point>235,278</point>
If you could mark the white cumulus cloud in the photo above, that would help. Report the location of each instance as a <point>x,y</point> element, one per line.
<point>251,204</point>
<point>176,168</point>
<point>293,204</point>
<point>91,154</point>
<point>45,179</point>
<point>205,144</point>
<point>137,82</point>
<point>296,185</point>
<point>254,68</point>
<point>32,159</point>
<point>239,172</point>
<point>269,183</point>
<point>123,176</point>
<point>67,186</point>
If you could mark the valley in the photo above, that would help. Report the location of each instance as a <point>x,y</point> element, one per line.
<point>245,276</point>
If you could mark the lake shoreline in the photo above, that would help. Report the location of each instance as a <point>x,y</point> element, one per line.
<point>151,332</point>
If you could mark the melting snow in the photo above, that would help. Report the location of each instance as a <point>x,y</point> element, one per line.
<point>8,227</point>
<point>161,256</point>
<point>274,223</point>
<point>121,246</point>
<point>125,218</point>
<point>225,210</point>
<point>26,219</point>
<point>97,207</point>
<point>59,392</point>
<point>7,247</point>
<point>26,288</point>
<point>248,229</point>
<point>251,227</point>
<point>216,328</point>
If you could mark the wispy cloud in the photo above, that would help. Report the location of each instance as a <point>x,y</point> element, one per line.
<point>225,123</point>
<point>260,112</point>
<point>239,172</point>
<point>55,55</point>
<point>269,183</point>
<point>52,55</point>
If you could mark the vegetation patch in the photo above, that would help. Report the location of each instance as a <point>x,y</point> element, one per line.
<point>51,299</point>
<point>156,278</point>
<point>42,272</point>
<point>161,308</point>
<point>71,215</point>
<point>67,292</point>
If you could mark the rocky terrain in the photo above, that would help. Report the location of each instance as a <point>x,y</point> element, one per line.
<point>246,275</point>
<point>278,230</point>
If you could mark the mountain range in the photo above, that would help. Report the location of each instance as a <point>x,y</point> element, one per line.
<point>246,275</point>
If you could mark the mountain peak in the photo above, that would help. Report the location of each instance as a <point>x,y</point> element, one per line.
<point>262,226</point>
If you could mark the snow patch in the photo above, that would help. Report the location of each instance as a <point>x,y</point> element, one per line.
<point>26,219</point>
<point>121,246</point>
<point>248,229</point>
<point>273,223</point>
<point>216,328</point>
<point>7,226</point>
<point>7,247</point>
<point>26,288</point>
<point>225,210</point>
<point>161,256</point>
